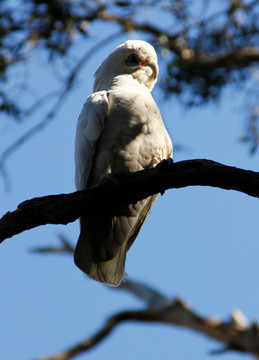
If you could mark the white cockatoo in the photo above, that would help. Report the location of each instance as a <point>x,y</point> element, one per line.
<point>119,128</point>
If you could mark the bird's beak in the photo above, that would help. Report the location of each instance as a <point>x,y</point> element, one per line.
<point>153,78</point>
<point>153,65</point>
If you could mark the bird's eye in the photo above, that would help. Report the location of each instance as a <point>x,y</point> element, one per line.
<point>133,60</point>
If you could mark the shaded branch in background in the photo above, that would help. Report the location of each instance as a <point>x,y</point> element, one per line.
<point>206,53</point>
<point>253,129</point>
<point>110,199</point>
<point>62,94</point>
<point>235,333</point>
<point>65,248</point>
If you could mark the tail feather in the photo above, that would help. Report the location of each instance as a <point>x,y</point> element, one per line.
<point>103,242</point>
<point>110,272</point>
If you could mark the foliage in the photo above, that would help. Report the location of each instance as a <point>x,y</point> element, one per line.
<point>205,46</point>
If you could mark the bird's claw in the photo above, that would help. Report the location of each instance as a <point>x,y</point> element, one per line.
<point>165,164</point>
<point>115,178</point>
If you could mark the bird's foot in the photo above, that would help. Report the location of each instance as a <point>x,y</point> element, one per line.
<point>115,178</point>
<point>165,164</point>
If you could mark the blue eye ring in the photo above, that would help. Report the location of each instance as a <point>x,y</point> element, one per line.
<point>133,60</point>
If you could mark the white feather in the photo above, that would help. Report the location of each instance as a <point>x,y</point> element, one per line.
<point>119,128</point>
<point>89,129</point>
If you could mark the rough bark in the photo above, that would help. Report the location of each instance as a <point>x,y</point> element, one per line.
<point>115,191</point>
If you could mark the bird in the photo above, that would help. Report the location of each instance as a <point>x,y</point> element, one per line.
<point>120,128</point>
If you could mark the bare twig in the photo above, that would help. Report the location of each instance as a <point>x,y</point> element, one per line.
<point>150,296</point>
<point>65,248</point>
<point>235,333</point>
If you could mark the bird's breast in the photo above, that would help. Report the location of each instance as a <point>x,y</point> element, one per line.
<point>134,136</point>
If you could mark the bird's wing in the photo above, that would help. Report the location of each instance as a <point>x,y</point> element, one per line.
<point>125,133</point>
<point>133,138</point>
<point>89,129</point>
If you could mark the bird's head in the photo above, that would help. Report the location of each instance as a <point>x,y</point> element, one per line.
<point>136,58</point>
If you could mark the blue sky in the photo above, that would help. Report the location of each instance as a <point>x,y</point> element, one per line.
<point>198,243</point>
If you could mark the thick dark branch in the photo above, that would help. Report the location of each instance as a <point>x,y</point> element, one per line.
<point>110,197</point>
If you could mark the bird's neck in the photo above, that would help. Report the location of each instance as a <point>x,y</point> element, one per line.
<point>107,83</point>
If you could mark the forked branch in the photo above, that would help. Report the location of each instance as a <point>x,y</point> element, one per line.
<point>235,333</point>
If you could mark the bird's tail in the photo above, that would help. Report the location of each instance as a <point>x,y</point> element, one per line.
<point>110,272</point>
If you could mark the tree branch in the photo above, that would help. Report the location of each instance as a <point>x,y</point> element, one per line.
<point>110,197</point>
<point>60,98</point>
<point>235,333</point>
<point>236,57</point>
